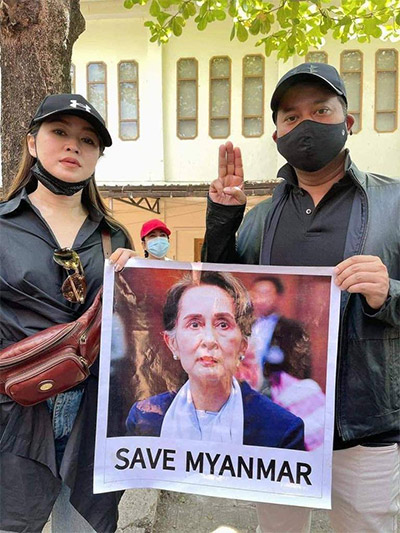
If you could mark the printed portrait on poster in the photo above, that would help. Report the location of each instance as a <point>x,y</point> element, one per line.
<point>217,375</point>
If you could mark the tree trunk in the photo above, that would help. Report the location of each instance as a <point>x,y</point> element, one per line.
<point>36,47</point>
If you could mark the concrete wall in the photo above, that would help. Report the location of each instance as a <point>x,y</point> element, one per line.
<point>114,34</point>
<point>113,40</point>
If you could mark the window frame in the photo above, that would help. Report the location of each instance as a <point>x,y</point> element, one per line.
<point>120,120</point>
<point>361,72</point>
<point>211,79</point>
<point>396,109</point>
<point>183,119</point>
<point>88,83</point>
<point>251,76</point>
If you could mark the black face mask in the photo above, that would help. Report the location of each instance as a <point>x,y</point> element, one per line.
<point>311,145</point>
<point>55,185</point>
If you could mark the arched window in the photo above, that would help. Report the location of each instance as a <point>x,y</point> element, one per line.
<point>220,97</point>
<point>351,70</point>
<point>386,90</point>
<point>253,96</point>
<point>128,99</point>
<point>97,87</point>
<point>187,98</point>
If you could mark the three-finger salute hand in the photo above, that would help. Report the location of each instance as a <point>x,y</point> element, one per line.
<point>227,189</point>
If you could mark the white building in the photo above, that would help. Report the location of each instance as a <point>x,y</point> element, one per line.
<point>169,107</point>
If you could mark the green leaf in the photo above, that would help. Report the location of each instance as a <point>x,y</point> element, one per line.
<point>242,33</point>
<point>232,11</point>
<point>398,19</point>
<point>280,15</point>
<point>192,9</point>
<point>154,8</point>
<point>164,3</point>
<point>269,46</point>
<point>255,26</point>
<point>370,26</point>
<point>162,17</point>
<point>202,25</point>
<point>154,38</point>
<point>128,4</point>
<point>219,14</point>
<point>203,10</point>
<point>233,32</point>
<point>265,27</point>
<point>176,28</point>
<point>295,8</point>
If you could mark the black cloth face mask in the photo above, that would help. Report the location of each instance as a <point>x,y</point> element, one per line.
<point>311,145</point>
<point>55,185</point>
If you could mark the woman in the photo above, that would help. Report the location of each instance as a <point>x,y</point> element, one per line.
<point>207,321</point>
<point>155,239</point>
<point>47,449</point>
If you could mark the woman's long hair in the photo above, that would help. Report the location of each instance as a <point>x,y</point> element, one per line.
<point>90,195</point>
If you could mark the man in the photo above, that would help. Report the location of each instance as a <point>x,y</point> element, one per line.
<point>326,212</point>
<point>278,343</point>
<point>278,360</point>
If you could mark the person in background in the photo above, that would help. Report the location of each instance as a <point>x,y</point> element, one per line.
<point>327,212</point>
<point>280,353</point>
<point>155,239</point>
<point>54,207</point>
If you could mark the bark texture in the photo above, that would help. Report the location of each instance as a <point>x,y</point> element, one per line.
<point>36,46</point>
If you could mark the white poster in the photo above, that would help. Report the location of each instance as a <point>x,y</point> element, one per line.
<point>218,380</point>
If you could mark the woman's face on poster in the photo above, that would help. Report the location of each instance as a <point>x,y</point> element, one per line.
<point>207,339</point>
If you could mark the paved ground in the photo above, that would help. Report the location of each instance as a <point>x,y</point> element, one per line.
<point>151,511</point>
<point>184,513</point>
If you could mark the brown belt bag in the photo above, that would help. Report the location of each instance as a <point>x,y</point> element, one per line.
<point>53,360</point>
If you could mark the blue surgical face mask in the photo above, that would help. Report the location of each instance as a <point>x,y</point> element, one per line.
<point>158,247</point>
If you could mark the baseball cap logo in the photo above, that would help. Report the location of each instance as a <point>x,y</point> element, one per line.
<point>75,104</point>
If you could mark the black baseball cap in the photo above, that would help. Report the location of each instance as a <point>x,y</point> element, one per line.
<point>72,104</point>
<point>327,74</point>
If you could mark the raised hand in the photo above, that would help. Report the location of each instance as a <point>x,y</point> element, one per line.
<point>227,189</point>
<point>120,257</point>
<point>365,274</point>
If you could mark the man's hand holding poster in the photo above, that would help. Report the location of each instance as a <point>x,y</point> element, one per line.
<point>218,380</point>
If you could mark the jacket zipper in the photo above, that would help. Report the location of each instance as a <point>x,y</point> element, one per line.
<point>359,252</point>
<point>33,351</point>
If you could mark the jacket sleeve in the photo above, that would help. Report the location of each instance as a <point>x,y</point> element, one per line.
<point>222,222</point>
<point>390,311</point>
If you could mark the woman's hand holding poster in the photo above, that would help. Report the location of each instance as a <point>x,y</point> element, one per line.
<point>218,380</point>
